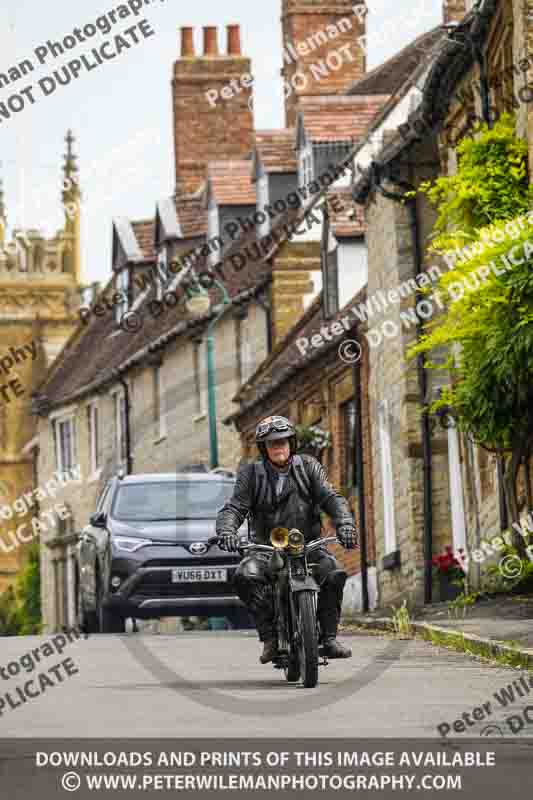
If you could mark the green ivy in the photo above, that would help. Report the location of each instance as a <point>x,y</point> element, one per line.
<point>491,184</point>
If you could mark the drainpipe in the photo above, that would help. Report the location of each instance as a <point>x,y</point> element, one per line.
<point>360,481</point>
<point>504,516</point>
<point>422,385</point>
<point>129,459</point>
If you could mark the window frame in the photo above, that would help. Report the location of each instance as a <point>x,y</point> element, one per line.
<point>160,410</point>
<point>70,420</point>
<point>122,285</point>
<point>119,418</point>
<point>93,436</point>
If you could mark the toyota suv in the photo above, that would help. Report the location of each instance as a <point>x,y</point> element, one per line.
<point>146,553</point>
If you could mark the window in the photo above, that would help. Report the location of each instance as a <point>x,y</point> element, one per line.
<point>92,430</point>
<point>120,426</point>
<point>65,443</point>
<point>306,167</point>
<point>160,418</point>
<point>199,391</point>
<point>161,273</point>
<point>167,501</point>
<point>387,484</point>
<point>123,286</point>
<point>213,232</point>
<point>262,201</point>
<point>243,349</point>
<point>348,427</point>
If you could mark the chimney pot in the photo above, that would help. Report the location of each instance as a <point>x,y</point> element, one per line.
<point>210,41</point>
<point>234,40</point>
<point>187,43</point>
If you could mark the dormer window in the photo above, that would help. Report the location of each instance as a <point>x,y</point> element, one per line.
<point>306,167</point>
<point>123,287</point>
<point>213,233</point>
<point>262,201</point>
<point>161,275</point>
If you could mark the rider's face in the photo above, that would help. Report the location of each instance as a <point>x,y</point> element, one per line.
<point>279,451</point>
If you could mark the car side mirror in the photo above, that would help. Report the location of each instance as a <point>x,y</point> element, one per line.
<point>98,519</point>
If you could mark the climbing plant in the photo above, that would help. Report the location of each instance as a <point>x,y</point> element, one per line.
<point>486,327</point>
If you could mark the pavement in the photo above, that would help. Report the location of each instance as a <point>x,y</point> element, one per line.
<point>502,625</point>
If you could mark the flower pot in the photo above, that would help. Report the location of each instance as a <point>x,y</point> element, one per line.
<point>447,589</point>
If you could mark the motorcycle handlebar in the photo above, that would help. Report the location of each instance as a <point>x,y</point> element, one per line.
<point>311,546</point>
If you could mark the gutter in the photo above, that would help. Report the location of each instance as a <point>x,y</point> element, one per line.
<point>360,481</point>
<point>129,457</point>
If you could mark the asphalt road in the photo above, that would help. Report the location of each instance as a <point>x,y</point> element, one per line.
<point>210,684</point>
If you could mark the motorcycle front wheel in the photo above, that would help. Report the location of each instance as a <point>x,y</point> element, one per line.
<point>308,639</point>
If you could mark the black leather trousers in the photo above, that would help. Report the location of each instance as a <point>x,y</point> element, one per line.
<point>253,583</point>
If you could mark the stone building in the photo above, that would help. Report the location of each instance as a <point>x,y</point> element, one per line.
<point>437,488</point>
<point>39,283</point>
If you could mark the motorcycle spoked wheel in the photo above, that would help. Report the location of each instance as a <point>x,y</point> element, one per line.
<point>286,643</point>
<point>308,639</point>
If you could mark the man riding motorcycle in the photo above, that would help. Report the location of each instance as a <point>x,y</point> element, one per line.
<point>286,490</point>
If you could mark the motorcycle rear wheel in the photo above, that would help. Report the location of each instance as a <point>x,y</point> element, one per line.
<point>308,639</point>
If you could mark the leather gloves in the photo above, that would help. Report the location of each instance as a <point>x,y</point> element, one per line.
<point>347,536</point>
<point>229,542</point>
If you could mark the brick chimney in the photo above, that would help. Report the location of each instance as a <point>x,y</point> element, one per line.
<point>207,125</point>
<point>453,11</point>
<point>313,31</point>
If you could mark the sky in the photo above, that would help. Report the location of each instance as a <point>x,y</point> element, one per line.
<point>121,112</point>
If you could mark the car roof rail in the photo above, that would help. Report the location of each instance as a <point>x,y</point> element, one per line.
<point>228,473</point>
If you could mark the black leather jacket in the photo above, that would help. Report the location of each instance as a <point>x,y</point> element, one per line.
<point>290,510</point>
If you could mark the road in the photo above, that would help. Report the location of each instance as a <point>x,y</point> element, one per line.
<point>210,684</point>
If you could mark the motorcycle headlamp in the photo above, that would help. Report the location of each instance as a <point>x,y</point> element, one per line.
<point>280,538</point>
<point>296,541</point>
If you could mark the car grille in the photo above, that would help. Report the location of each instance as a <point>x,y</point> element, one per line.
<point>190,561</point>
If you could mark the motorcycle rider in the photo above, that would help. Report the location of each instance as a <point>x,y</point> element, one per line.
<point>286,490</point>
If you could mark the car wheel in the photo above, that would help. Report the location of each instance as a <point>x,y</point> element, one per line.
<point>109,621</point>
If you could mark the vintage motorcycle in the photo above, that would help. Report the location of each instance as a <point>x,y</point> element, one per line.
<point>295,603</point>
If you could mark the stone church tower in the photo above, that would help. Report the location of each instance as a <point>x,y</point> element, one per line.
<point>39,278</point>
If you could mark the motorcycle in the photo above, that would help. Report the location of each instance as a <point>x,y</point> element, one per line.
<point>295,604</point>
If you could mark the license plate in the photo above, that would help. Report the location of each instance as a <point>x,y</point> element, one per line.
<point>204,574</point>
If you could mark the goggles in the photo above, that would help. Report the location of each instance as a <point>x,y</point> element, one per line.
<point>273,424</point>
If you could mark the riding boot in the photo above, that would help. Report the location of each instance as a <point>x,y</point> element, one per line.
<point>329,612</point>
<point>258,598</point>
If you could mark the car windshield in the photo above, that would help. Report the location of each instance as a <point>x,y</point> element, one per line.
<point>151,502</point>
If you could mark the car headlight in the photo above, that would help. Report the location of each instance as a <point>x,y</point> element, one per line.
<point>130,545</point>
